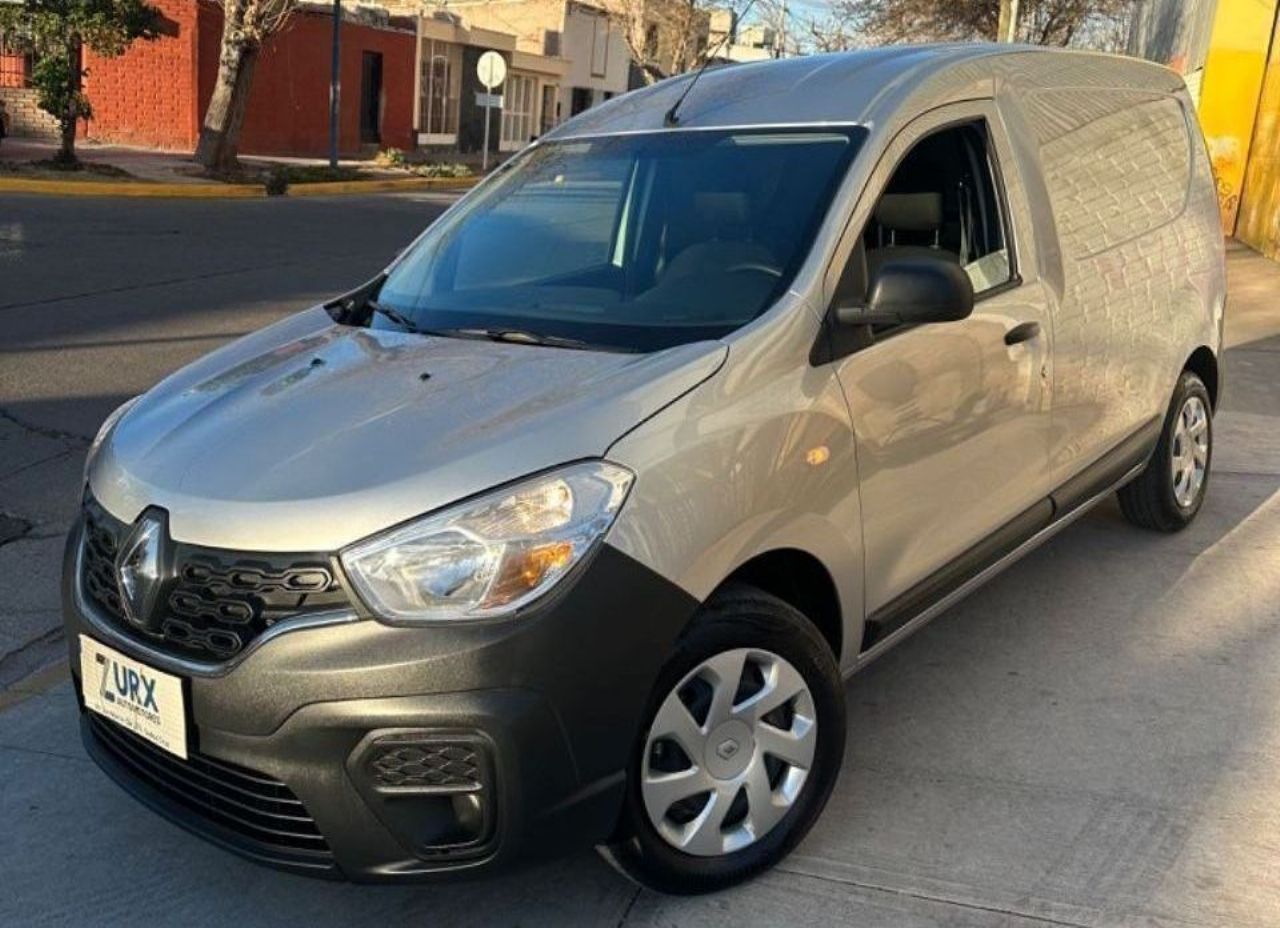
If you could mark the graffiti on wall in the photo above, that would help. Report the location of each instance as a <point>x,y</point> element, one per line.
<point>1258,222</point>
<point>1233,76</point>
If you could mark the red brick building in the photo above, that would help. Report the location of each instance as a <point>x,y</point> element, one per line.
<point>155,94</point>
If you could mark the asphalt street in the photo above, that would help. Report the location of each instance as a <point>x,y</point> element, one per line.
<point>1091,740</point>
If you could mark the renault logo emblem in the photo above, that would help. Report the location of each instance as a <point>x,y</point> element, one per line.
<point>140,569</point>
<point>727,748</point>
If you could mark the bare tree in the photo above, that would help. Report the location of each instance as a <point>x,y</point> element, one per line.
<point>246,25</point>
<point>1042,22</point>
<point>663,37</point>
<point>832,33</point>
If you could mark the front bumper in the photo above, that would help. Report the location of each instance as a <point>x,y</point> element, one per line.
<point>550,701</point>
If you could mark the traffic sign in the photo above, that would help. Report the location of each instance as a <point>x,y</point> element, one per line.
<point>491,69</point>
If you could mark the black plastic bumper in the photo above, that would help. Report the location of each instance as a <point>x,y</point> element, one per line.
<point>550,701</point>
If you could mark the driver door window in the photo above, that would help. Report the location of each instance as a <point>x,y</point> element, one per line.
<point>941,201</point>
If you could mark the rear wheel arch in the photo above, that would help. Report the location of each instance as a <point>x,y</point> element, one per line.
<point>1204,364</point>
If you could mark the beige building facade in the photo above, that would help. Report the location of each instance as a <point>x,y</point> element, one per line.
<point>585,40</point>
<point>450,114</point>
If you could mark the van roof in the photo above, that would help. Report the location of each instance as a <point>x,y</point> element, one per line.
<point>864,87</point>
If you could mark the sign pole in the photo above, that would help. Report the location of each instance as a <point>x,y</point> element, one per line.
<point>492,71</point>
<point>334,84</point>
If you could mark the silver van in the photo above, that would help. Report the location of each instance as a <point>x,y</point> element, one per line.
<point>568,528</point>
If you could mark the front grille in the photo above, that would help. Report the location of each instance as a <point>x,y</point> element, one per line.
<point>241,808</point>
<point>214,602</point>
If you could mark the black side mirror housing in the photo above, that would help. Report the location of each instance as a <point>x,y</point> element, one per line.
<point>912,291</point>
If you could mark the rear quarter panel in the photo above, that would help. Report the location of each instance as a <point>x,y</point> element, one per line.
<point>1135,217</point>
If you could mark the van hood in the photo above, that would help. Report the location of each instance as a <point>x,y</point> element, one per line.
<point>308,435</point>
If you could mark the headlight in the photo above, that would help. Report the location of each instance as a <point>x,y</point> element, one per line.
<point>490,555</point>
<point>104,430</point>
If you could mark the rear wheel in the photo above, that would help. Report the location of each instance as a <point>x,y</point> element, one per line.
<point>1167,495</point>
<point>739,750</point>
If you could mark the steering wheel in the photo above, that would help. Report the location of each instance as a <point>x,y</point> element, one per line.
<point>756,266</point>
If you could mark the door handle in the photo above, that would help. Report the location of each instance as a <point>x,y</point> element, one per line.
<point>1022,332</point>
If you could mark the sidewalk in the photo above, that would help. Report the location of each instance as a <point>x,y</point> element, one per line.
<point>178,171</point>
<point>171,167</point>
<point>142,164</point>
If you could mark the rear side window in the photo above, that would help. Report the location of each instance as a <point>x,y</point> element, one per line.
<point>1117,165</point>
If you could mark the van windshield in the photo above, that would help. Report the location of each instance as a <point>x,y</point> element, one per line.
<point>631,243</point>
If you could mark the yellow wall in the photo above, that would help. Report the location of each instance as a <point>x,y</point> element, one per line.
<point>1233,76</point>
<point>1258,224</point>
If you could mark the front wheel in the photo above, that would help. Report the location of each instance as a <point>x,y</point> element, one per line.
<point>740,747</point>
<point>1167,495</point>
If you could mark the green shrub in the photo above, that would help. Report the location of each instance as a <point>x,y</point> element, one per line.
<point>443,169</point>
<point>390,157</point>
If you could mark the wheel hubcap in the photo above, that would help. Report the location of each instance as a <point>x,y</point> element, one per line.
<point>728,753</point>
<point>1190,451</point>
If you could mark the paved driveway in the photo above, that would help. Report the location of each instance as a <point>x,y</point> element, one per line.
<point>1091,740</point>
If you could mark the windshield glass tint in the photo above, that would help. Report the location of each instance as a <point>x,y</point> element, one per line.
<point>631,242</point>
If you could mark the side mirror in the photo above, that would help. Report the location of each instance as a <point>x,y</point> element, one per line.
<point>911,291</point>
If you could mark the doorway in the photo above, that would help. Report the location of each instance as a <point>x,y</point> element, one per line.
<point>371,98</point>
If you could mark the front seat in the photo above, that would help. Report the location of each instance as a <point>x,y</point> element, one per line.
<point>722,274</point>
<point>918,215</point>
<point>723,239</point>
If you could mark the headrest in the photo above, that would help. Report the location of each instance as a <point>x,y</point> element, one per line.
<point>910,212</point>
<point>721,210</point>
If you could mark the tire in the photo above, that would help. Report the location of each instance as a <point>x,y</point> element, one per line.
<point>780,650</point>
<point>1156,499</point>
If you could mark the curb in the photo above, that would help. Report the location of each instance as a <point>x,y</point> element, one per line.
<point>94,188</point>
<point>89,188</point>
<point>380,186</point>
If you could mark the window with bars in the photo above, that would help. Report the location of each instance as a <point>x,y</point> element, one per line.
<point>440,85</point>
<point>517,110</point>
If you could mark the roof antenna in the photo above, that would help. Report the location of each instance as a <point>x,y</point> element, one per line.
<point>672,118</point>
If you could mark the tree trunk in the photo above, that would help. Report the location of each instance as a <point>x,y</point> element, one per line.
<point>67,131</point>
<point>67,121</point>
<point>220,135</point>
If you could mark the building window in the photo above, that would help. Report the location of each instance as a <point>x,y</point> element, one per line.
<point>549,103</point>
<point>580,101</point>
<point>517,110</point>
<point>15,64</point>
<point>600,46</point>
<point>440,83</point>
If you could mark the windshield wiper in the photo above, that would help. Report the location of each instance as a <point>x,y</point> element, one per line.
<point>525,337</point>
<point>495,334</point>
<point>396,316</point>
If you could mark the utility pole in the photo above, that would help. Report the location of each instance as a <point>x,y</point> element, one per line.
<point>1007,29</point>
<point>782,31</point>
<point>335,84</point>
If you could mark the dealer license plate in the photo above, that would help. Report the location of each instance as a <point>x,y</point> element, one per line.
<point>142,699</point>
